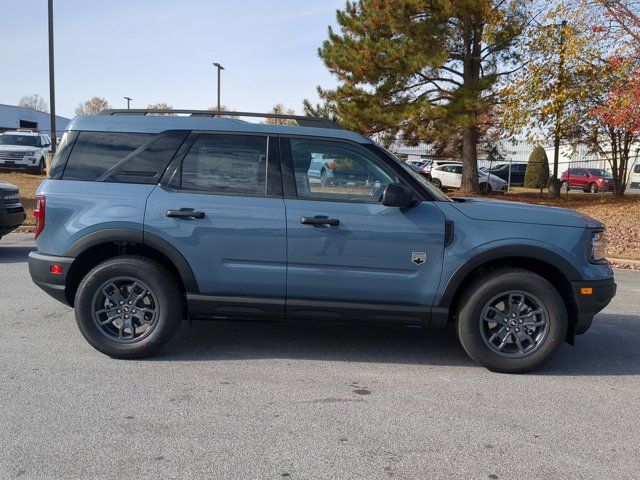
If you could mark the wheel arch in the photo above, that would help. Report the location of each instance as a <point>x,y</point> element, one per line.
<point>549,265</point>
<point>96,247</point>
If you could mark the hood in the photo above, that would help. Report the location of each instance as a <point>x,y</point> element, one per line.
<point>8,188</point>
<point>17,148</point>
<point>516,212</point>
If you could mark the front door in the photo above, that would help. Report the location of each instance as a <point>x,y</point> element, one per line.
<point>350,257</point>
<point>221,213</point>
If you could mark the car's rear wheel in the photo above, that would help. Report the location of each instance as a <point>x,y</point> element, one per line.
<point>128,307</point>
<point>593,188</point>
<point>565,186</point>
<point>436,183</point>
<point>511,321</point>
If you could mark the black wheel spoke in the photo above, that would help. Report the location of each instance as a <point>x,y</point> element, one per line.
<point>125,309</point>
<point>514,324</point>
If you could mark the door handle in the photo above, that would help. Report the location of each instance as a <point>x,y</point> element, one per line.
<point>320,220</point>
<point>182,213</point>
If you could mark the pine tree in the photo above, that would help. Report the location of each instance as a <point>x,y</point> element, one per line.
<point>422,70</point>
<point>537,174</point>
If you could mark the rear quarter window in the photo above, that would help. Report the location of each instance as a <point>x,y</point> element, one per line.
<point>121,157</point>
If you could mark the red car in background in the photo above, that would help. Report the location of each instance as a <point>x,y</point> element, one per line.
<point>587,179</point>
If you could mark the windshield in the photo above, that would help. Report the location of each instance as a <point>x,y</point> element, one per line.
<point>22,140</point>
<point>599,172</point>
<point>436,193</point>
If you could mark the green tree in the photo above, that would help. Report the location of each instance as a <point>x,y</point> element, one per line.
<point>422,70</point>
<point>537,174</point>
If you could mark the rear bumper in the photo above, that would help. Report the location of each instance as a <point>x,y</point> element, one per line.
<point>602,291</point>
<point>53,284</point>
<point>11,217</point>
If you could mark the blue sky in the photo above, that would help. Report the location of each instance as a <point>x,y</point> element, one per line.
<point>162,50</point>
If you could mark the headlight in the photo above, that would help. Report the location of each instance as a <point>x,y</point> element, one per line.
<point>598,246</point>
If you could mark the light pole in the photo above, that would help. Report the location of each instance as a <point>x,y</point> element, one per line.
<point>219,67</point>
<point>52,87</point>
<point>128,99</point>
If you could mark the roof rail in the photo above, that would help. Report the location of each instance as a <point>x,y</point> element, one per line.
<point>301,120</point>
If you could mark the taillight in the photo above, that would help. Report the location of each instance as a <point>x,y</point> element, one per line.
<point>39,213</point>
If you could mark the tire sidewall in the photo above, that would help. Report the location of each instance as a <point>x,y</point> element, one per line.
<point>470,314</point>
<point>157,279</point>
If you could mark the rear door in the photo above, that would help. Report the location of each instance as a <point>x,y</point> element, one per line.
<point>349,256</point>
<point>220,205</point>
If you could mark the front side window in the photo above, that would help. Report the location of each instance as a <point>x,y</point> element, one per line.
<point>350,174</point>
<point>226,164</point>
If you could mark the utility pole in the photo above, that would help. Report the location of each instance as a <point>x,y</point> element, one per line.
<point>219,67</point>
<point>128,99</point>
<point>52,87</point>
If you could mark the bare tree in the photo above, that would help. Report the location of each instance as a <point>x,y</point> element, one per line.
<point>34,101</point>
<point>280,109</point>
<point>93,106</point>
<point>160,106</point>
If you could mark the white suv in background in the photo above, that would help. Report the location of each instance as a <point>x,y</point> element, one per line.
<point>24,149</point>
<point>450,176</point>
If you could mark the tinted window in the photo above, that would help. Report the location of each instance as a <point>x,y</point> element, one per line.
<point>147,163</point>
<point>636,169</point>
<point>355,175</point>
<point>22,140</point>
<point>226,164</point>
<point>96,152</point>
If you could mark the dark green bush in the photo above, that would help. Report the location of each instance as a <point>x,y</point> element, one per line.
<point>537,175</point>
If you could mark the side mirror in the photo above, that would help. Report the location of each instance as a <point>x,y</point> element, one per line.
<point>396,195</point>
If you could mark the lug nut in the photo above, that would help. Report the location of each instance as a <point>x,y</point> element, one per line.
<point>119,311</point>
<point>121,302</point>
<point>520,321</point>
<point>517,329</point>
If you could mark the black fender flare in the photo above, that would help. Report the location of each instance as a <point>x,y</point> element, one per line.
<point>530,252</point>
<point>143,238</point>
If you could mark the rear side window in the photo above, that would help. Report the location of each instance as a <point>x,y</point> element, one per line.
<point>226,164</point>
<point>636,169</point>
<point>96,152</point>
<point>121,157</point>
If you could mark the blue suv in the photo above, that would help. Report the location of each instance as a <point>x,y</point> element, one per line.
<point>146,220</point>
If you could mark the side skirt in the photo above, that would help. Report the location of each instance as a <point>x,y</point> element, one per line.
<point>214,307</point>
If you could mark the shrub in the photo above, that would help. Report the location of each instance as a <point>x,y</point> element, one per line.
<point>537,175</point>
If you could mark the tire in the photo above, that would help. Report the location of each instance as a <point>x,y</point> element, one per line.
<point>485,187</point>
<point>161,307</point>
<point>436,183</point>
<point>593,188</point>
<point>40,169</point>
<point>565,186</point>
<point>475,332</point>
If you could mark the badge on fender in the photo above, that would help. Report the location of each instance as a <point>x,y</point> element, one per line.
<point>418,257</point>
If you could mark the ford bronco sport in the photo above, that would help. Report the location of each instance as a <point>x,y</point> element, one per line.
<point>148,219</point>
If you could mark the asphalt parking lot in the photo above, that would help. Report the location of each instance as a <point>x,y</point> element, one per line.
<point>272,401</point>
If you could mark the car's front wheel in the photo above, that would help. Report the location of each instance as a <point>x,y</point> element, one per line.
<point>511,321</point>
<point>485,187</point>
<point>565,186</point>
<point>128,307</point>
<point>593,188</point>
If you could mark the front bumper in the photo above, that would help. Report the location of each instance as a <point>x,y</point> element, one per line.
<point>53,284</point>
<point>11,217</point>
<point>22,162</point>
<point>602,291</point>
